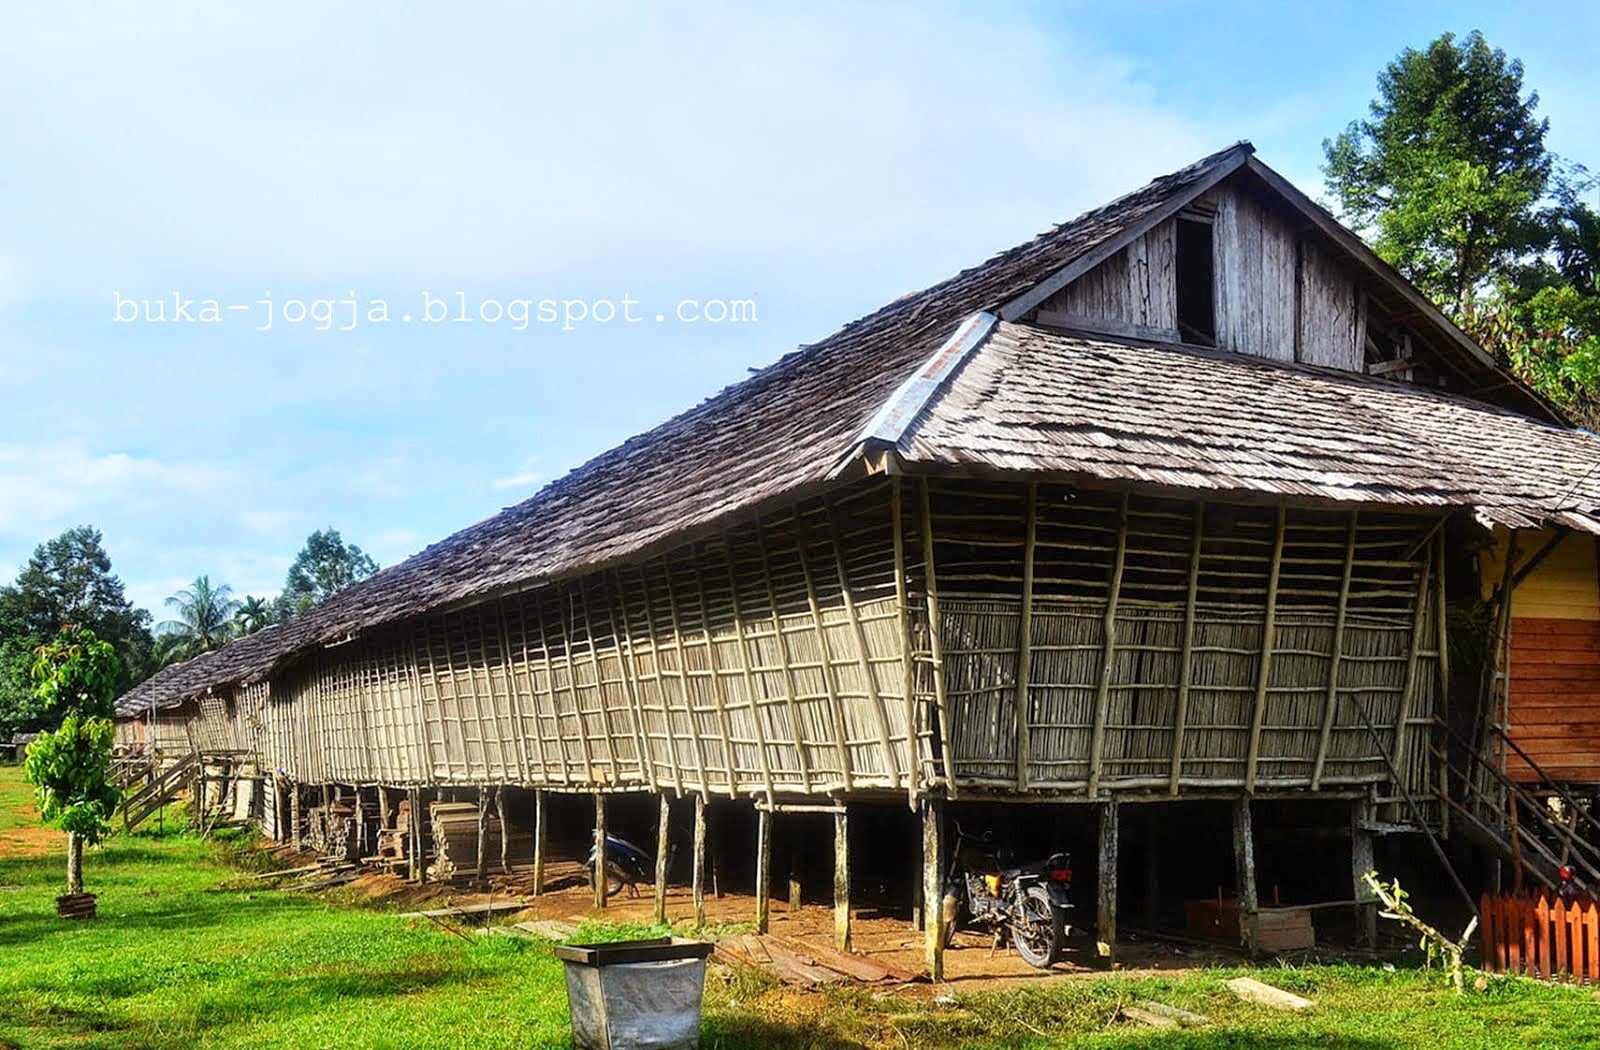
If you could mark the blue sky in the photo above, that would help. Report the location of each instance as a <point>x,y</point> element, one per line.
<point>820,159</point>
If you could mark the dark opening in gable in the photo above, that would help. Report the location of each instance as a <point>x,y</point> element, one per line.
<point>1196,270</point>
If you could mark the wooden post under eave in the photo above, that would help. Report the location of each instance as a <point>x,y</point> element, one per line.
<point>698,886</point>
<point>538,841</point>
<point>1362,861</point>
<point>1269,639</point>
<point>1105,920</point>
<point>505,830</point>
<point>1108,654</point>
<point>483,832</point>
<point>663,848</point>
<point>795,859</point>
<point>600,877</point>
<point>1244,862</point>
<point>933,917</point>
<point>841,880</point>
<point>1025,640</point>
<point>763,868</point>
<point>294,814</point>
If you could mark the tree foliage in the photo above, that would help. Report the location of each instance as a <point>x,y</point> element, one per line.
<point>1450,179</point>
<point>324,566</point>
<point>253,614</point>
<point>206,620</point>
<point>70,767</point>
<point>68,580</point>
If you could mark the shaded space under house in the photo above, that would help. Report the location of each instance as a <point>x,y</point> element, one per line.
<point>1153,528</point>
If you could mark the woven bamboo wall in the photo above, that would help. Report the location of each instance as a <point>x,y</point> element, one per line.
<point>778,657</point>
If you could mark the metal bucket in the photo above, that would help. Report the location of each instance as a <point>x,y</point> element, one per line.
<point>635,995</point>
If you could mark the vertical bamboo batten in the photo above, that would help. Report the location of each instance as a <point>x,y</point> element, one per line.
<point>863,654</point>
<point>792,689</point>
<point>751,692</point>
<point>702,775</point>
<point>1331,702</point>
<point>527,771</point>
<point>935,645</point>
<point>548,664</point>
<point>907,668</point>
<point>1186,655</point>
<point>569,666</point>
<point>629,662</point>
<point>1108,653</point>
<point>1442,621</point>
<point>617,774</point>
<point>661,689</point>
<point>1413,654</point>
<point>829,671</point>
<point>719,689</point>
<point>1025,639</point>
<point>1268,641</point>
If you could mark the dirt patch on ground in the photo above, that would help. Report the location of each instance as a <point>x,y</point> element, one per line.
<point>26,837</point>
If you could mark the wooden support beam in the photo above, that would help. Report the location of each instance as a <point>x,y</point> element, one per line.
<point>791,688</point>
<point>863,657</point>
<point>1025,639</point>
<point>419,813</point>
<point>1108,652</point>
<point>539,830</point>
<point>1269,640</point>
<point>933,917</point>
<point>763,868</point>
<point>483,834</point>
<point>796,860</point>
<point>936,643</point>
<point>1244,863</point>
<point>663,850</point>
<point>600,875</point>
<point>1362,861</point>
<point>841,881</point>
<point>1442,626</point>
<point>383,806</point>
<point>907,668</point>
<point>698,883</point>
<point>1330,703</point>
<point>825,649</point>
<point>1186,657</point>
<point>294,814</point>
<point>1105,920</point>
<point>505,830</point>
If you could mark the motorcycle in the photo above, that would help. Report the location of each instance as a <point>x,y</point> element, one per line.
<point>626,866</point>
<point>987,891</point>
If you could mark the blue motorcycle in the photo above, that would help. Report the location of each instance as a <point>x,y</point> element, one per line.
<point>626,866</point>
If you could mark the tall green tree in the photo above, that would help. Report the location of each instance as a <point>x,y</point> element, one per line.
<point>254,613</point>
<point>325,566</point>
<point>205,619</point>
<point>70,767</point>
<point>68,580</point>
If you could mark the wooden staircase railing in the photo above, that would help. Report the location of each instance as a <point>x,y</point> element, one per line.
<point>158,791</point>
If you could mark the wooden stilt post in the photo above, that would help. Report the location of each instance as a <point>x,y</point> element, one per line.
<point>383,806</point>
<point>483,833</point>
<point>663,850</point>
<point>294,813</point>
<point>933,917</point>
<point>1244,861</point>
<point>763,868</point>
<point>698,887</point>
<point>796,857</point>
<point>841,880</point>
<point>1362,861</point>
<point>599,850</point>
<point>505,830</point>
<point>1105,920</point>
<point>538,841</point>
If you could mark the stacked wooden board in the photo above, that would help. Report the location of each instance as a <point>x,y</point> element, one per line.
<point>455,839</point>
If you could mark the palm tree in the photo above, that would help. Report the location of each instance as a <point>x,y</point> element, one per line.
<point>205,618</point>
<point>254,613</point>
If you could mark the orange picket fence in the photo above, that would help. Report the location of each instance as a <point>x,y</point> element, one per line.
<point>1542,936</point>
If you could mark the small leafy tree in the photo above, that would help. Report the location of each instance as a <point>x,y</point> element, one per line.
<point>70,768</point>
<point>1397,906</point>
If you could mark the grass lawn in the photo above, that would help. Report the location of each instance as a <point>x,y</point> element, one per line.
<point>186,953</point>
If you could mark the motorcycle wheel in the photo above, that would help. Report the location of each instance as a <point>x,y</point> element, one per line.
<point>614,879</point>
<point>1039,932</point>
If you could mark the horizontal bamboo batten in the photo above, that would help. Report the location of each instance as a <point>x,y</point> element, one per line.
<point>910,636</point>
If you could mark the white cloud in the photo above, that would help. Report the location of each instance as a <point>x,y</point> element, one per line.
<point>525,477</point>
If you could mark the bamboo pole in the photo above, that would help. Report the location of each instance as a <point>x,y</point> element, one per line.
<point>1108,653</point>
<point>1025,638</point>
<point>935,643</point>
<point>1443,618</point>
<point>599,679</point>
<point>629,660</point>
<point>513,703</point>
<point>1331,702</point>
<point>750,690</point>
<point>868,675</point>
<point>702,773</point>
<point>719,688</point>
<point>792,689</point>
<point>550,680</point>
<point>1361,862</point>
<point>663,849</point>
<point>1105,928</point>
<point>567,606</point>
<point>907,670</point>
<point>841,881</point>
<point>1244,860</point>
<point>483,833</point>
<point>698,886</point>
<point>1419,623</point>
<point>1269,637</point>
<point>661,687</point>
<point>1186,656</point>
<point>763,868</point>
<point>829,672</point>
